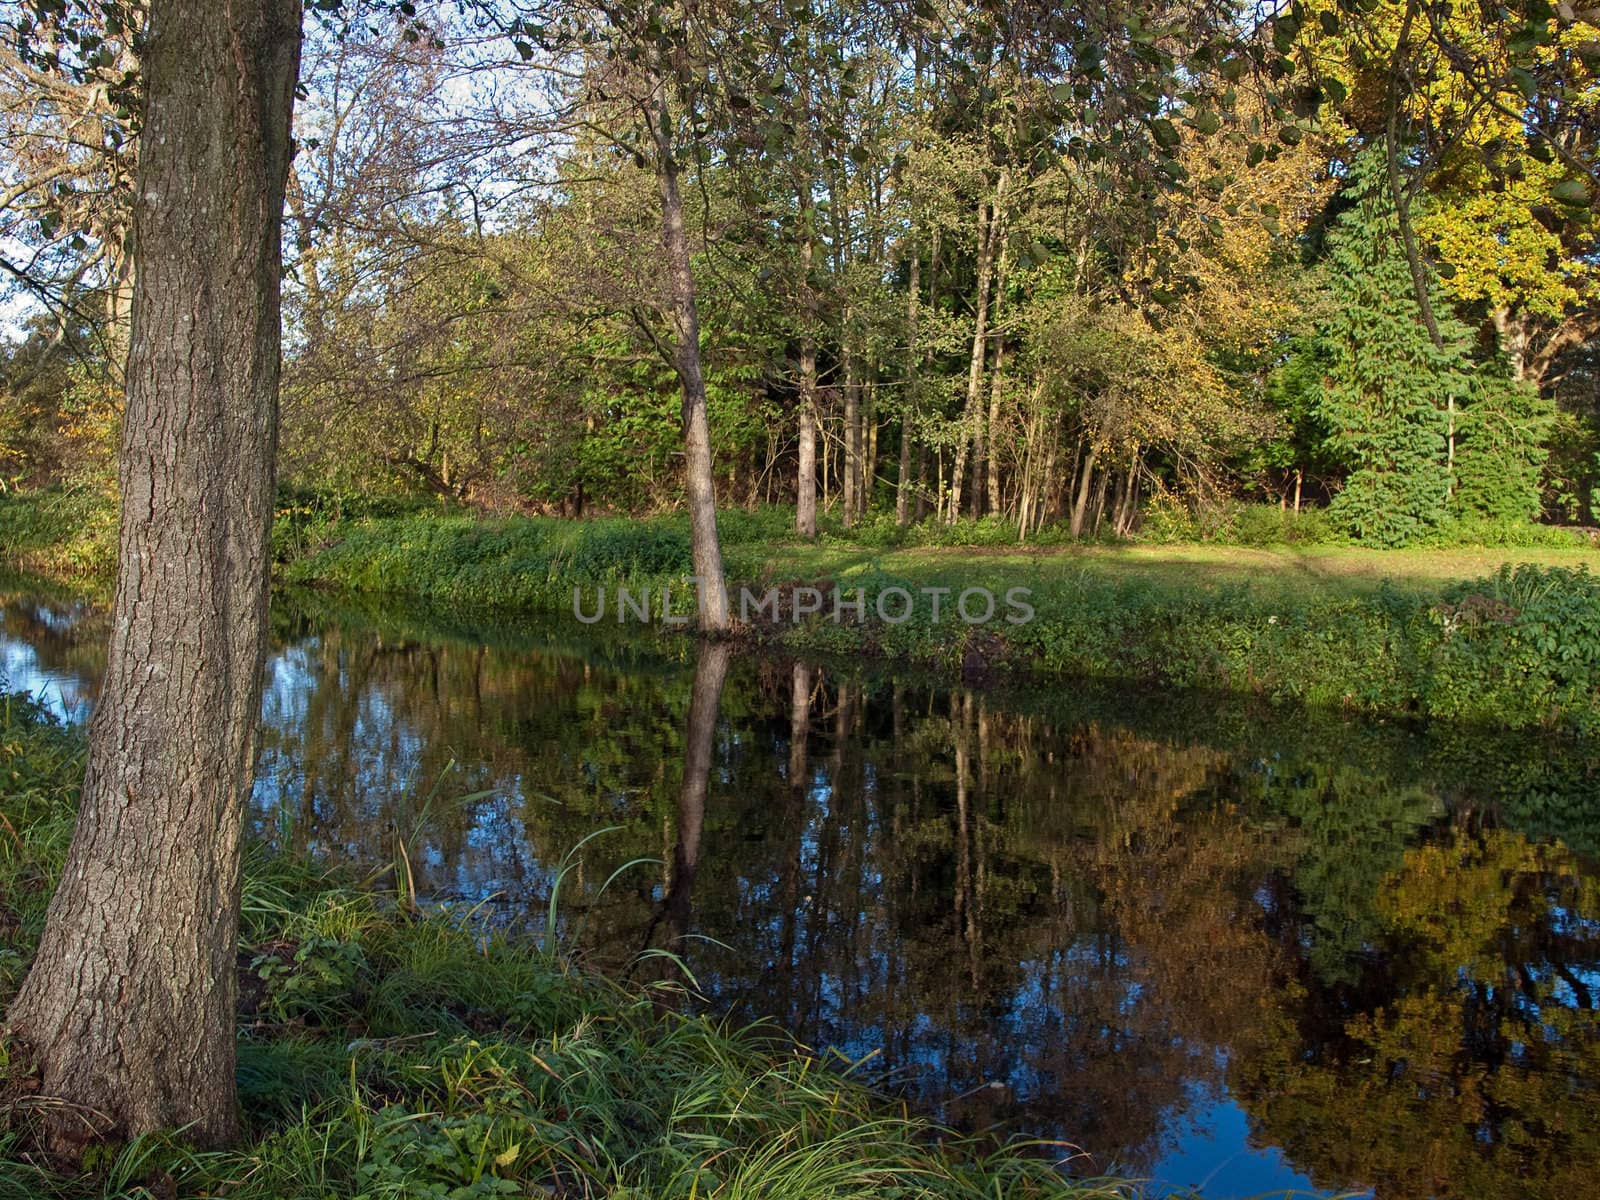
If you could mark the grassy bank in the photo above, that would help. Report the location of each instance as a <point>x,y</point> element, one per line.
<point>1452,634</point>
<point>390,1054</point>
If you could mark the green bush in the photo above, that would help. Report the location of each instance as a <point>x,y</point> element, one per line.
<point>1524,641</point>
<point>1259,525</point>
<point>624,549</point>
<point>60,531</point>
<point>1230,523</point>
<point>880,530</point>
<point>1477,530</point>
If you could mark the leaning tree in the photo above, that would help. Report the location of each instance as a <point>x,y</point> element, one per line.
<point>128,1013</point>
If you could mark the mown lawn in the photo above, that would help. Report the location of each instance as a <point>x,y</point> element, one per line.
<point>1325,571</point>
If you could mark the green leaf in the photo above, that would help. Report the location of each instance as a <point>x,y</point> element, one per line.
<point>1285,30</point>
<point>1572,192</point>
<point>1165,133</point>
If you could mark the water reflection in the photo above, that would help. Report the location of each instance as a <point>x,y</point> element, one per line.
<point>1202,944</point>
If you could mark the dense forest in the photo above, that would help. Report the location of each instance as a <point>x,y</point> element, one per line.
<point>1102,271</point>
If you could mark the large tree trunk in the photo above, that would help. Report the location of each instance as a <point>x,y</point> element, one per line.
<point>128,1015</point>
<point>705,550</point>
<point>805,508</point>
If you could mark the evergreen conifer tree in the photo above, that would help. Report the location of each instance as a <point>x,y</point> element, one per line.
<point>1389,392</point>
<point>1432,434</point>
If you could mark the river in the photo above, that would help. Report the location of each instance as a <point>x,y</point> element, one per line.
<point>1205,942</point>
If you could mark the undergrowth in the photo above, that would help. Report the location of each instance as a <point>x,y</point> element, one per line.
<point>63,532</point>
<point>383,1053</point>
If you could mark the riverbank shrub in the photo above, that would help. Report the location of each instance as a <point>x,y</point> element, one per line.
<point>67,532</point>
<point>389,1053</point>
<point>1524,640</point>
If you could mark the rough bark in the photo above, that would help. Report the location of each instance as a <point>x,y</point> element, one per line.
<point>128,1015</point>
<point>705,549</point>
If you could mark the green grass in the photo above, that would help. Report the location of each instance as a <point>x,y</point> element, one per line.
<point>396,1056</point>
<point>1332,571</point>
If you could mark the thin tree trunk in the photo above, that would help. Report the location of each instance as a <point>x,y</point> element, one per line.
<point>1100,502</point>
<point>1125,503</point>
<point>128,1013</point>
<point>1450,453</point>
<point>827,462</point>
<point>869,458</point>
<point>1025,474</point>
<point>971,415</point>
<point>1080,505</point>
<point>903,480</point>
<point>1398,191</point>
<point>799,726</point>
<point>908,408</point>
<point>852,436</point>
<point>805,509</point>
<point>1047,481</point>
<point>705,550</point>
<point>997,384</point>
<point>1299,480</point>
<point>923,459</point>
<point>705,701</point>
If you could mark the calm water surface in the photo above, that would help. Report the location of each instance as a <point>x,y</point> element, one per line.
<point>1209,946</point>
